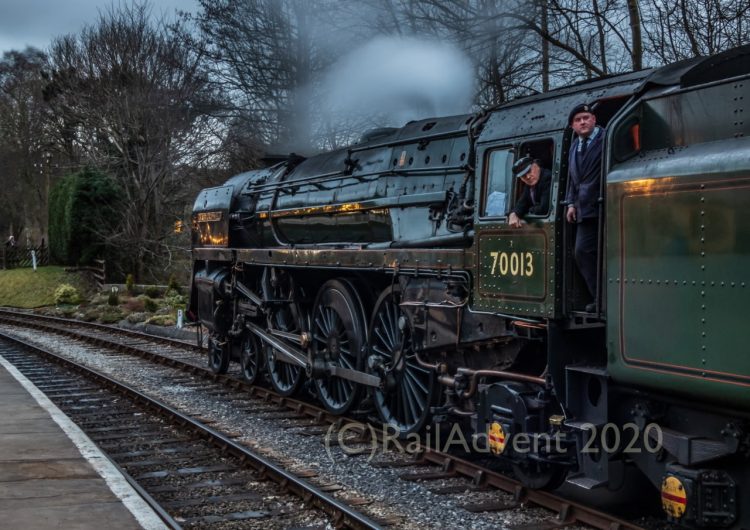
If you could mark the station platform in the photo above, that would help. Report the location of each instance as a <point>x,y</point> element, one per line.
<point>52,476</point>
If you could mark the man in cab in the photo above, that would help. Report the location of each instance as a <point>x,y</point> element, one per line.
<point>534,199</point>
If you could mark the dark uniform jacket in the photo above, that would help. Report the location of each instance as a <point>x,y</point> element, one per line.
<point>536,203</point>
<point>584,176</point>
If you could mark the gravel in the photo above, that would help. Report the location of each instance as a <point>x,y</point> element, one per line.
<point>413,503</point>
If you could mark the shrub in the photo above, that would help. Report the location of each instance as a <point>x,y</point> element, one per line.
<point>82,209</point>
<point>136,305</point>
<point>90,315</point>
<point>59,219</point>
<point>110,315</point>
<point>150,305</point>
<point>173,285</point>
<point>152,291</point>
<point>100,298</point>
<point>171,293</point>
<point>174,299</point>
<point>66,294</point>
<point>66,311</point>
<point>136,317</point>
<point>162,320</point>
<point>130,284</point>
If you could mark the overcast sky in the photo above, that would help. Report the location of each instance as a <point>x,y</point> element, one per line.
<point>35,22</point>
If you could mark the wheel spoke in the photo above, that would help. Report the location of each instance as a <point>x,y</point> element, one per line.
<point>385,341</point>
<point>249,358</point>
<point>385,354</point>
<point>387,327</point>
<point>411,361</point>
<point>319,324</point>
<point>423,389</point>
<point>410,411</point>
<point>288,317</point>
<point>403,406</point>
<point>287,373</point>
<point>343,392</point>
<point>415,395</point>
<point>408,405</point>
<point>346,362</point>
<point>338,321</point>
<point>325,318</point>
<point>292,371</point>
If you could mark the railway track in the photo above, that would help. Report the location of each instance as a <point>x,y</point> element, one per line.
<point>489,492</point>
<point>191,474</point>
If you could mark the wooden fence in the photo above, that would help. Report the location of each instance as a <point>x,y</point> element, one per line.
<point>13,257</point>
<point>97,272</point>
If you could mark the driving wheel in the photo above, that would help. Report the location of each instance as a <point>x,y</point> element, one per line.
<point>408,392</point>
<point>338,336</point>
<point>289,317</point>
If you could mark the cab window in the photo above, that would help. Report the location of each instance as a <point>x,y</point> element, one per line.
<point>497,182</point>
<point>627,137</point>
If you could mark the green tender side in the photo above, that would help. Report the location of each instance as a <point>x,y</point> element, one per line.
<point>678,271</point>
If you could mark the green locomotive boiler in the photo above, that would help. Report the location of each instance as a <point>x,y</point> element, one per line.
<point>387,276</point>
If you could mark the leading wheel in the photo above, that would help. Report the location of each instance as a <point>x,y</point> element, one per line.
<point>338,335</point>
<point>218,354</point>
<point>409,391</point>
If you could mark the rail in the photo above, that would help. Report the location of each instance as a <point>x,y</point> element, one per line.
<point>343,514</point>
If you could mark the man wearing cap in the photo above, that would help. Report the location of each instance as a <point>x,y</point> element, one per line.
<point>535,196</point>
<point>582,197</point>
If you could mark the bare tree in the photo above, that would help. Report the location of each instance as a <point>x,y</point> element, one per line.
<point>551,42</point>
<point>24,145</point>
<point>264,54</point>
<point>134,101</point>
<point>634,15</point>
<point>691,28</point>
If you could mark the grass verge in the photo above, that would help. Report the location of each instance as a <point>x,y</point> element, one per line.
<point>26,288</point>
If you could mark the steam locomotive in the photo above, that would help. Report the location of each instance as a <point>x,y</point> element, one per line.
<point>386,276</point>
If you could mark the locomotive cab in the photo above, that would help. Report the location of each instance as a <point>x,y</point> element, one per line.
<point>530,272</point>
<point>528,275</point>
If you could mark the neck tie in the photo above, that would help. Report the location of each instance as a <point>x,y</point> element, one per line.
<point>584,144</point>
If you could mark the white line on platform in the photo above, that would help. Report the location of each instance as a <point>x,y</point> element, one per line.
<point>116,482</point>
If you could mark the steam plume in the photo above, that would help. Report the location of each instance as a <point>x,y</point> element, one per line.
<point>400,79</point>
